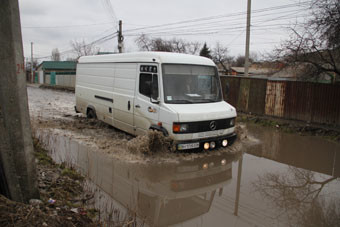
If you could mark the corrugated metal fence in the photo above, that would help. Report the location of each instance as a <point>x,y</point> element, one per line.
<point>306,101</point>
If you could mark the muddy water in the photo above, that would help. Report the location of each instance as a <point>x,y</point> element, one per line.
<point>282,180</point>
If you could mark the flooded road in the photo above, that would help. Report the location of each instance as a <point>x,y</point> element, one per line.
<point>285,180</point>
<point>277,180</point>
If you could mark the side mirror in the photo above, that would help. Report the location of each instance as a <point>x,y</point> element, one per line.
<point>154,95</point>
<point>227,88</point>
<point>155,101</point>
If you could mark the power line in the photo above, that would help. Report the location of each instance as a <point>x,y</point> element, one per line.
<point>217,23</point>
<point>222,16</point>
<point>64,26</point>
<point>108,6</point>
<point>98,41</point>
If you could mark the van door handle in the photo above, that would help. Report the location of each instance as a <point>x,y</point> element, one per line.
<point>137,106</point>
<point>129,105</point>
<point>150,109</point>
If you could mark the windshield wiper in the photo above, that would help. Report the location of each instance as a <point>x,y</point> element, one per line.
<point>180,101</point>
<point>205,100</point>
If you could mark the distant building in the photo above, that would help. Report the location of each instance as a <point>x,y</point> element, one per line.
<point>60,73</point>
<point>239,71</point>
<point>303,72</point>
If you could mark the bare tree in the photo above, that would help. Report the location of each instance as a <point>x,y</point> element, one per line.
<point>159,44</point>
<point>143,42</point>
<point>55,55</point>
<point>220,57</point>
<point>240,61</point>
<point>316,43</point>
<point>173,45</point>
<point>83,49</point>
<point>193,48</point>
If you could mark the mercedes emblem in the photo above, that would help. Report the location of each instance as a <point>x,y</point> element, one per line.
<point>212,125</point>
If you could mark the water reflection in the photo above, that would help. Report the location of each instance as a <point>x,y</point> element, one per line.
<point>286,180</point>
<point>307,152</point>
<point>304,190</point>
<point>168,194</point>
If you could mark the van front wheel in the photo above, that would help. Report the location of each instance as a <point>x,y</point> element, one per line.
<point>91,114</point>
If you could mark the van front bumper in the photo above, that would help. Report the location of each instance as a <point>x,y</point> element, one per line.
<point>199,143</point>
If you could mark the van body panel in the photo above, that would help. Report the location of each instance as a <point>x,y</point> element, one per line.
<point>100,92</point>
<point>148,57</point>
<point>123,96</point>
<point>167,116</point>
<point>203,111</point>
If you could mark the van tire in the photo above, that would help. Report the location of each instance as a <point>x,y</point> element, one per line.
<point>91,114</point>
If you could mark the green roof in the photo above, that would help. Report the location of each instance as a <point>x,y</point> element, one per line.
<point>63,65</point>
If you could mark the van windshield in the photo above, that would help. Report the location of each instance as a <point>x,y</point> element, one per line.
<point>185,84</point>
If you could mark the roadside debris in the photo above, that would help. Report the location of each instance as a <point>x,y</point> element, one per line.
<point>59,194</point>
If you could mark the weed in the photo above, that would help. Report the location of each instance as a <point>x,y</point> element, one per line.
<point>71,173</point>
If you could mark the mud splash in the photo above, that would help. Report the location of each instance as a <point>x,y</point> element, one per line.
<point>153,146</point>
<point>152,142</point>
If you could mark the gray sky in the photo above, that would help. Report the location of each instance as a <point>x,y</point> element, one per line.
<point>53,24</point>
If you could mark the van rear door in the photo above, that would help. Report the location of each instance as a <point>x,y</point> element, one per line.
<point>146,113</point>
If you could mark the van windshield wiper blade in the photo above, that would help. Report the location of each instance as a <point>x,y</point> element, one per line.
<point>205,100</point>
<point>181,101</point>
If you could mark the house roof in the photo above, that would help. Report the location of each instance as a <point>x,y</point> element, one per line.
<point>60,65</point>
<point>252,70</point>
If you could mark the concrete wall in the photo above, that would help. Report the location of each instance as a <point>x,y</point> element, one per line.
<point>47,79</point>
<point>66,80</point>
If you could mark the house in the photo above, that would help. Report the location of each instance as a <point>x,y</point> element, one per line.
<point>304,72</point>
<point>239,71</point>
<point>60,73</point>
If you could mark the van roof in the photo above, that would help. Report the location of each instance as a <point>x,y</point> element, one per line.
<point>148,57</point>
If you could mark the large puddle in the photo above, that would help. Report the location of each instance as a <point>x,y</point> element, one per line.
<point>283,180</point>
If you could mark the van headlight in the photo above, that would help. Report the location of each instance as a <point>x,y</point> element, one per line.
<point>180,127</point>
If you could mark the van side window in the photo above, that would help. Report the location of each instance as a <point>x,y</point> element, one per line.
<point>145,80</point>
<point>148,85</point>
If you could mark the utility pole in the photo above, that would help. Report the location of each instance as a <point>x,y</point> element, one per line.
<point>120,37</point>
<point>31,59</point>
<point>246,64</point>
<point>16,147</point>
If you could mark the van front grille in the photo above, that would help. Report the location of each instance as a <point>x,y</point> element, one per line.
<point>204,126</point>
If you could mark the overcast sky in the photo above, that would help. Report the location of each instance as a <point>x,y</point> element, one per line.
<point>54,24</point>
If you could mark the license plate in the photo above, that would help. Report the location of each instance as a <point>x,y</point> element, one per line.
<point>188,146</point>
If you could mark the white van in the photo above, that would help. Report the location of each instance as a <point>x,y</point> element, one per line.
<point>177,94</point>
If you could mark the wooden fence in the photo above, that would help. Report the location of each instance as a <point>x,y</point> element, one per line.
<point>296,100</point>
